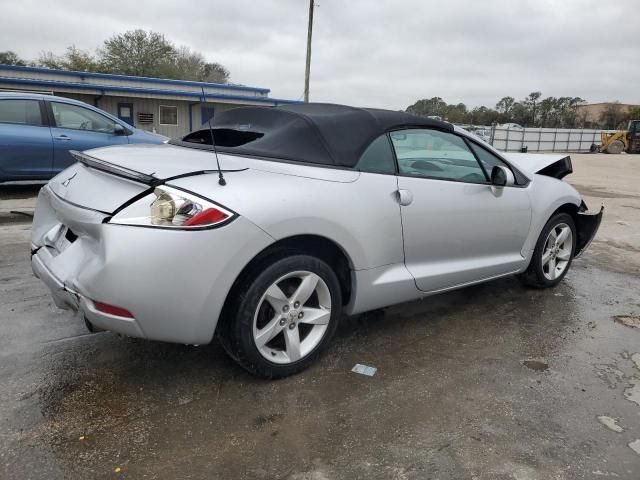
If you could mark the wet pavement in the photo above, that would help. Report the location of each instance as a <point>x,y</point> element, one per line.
<point>490,382</point>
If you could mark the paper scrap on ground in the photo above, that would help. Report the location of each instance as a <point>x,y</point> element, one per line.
<point>610,423</point>
<point>364,370</point>
<point>635,446</point>
<point>635,358</point>
<point>633,392</point>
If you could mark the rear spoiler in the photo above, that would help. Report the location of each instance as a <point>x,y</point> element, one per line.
<point>124,172</point>
<point>117,170</point>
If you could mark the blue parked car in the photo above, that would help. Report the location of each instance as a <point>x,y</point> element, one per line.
<point>37,132</point>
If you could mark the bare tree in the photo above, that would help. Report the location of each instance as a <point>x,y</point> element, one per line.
<point>190,65</point>
<point>612,116</point>
<point>73,59</point>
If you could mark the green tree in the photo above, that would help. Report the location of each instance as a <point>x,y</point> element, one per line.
<point>457,113</point>
<point>11,58</point>
<point>138,52</point>
<point>434,106</point>
<point>546,111</point>
<point>634,114</point>
<point>531,102</point>
<point>214,72</point>
<point>505,105</point>
<point>483,116</point>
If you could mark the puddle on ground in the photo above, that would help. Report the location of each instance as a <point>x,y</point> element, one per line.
<point>628,320</point>
<point>633,393</point>
<point>610,423</point>
<point>609,374</point>
<point>536,365</point>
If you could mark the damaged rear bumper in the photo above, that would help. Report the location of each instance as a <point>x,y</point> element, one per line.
<point>587,224</point>
<point>172,283</point>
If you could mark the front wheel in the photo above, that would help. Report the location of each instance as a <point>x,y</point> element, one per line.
<point>283,317</point>
<point>553,253</point>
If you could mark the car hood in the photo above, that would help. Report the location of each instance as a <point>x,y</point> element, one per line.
<point>553,165</point>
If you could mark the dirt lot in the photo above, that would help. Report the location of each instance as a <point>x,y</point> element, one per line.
<point>490,382</point>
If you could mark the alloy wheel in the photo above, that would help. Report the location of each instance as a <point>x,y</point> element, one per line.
<point>292,317</point>
<point>557,251</point>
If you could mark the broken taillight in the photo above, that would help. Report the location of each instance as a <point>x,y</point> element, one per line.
<point>112,310</point>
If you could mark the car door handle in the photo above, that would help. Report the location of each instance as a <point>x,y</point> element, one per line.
<point>405,197</point>
<point>62,137</point>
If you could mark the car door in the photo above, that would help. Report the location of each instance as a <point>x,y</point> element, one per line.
<point>26,147</point>
<point>457,227</point>
<point>78,128</point>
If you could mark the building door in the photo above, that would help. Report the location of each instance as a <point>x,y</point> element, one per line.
<point>125,112</point>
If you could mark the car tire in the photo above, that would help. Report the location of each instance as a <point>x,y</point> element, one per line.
<point>267,331</point>
<point>550,262</point>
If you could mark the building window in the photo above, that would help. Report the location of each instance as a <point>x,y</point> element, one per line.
<point>168,115</point>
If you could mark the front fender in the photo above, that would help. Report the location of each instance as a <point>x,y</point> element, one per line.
<point>547,195</point>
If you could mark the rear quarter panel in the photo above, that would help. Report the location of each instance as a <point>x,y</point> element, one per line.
<point>356,211</point>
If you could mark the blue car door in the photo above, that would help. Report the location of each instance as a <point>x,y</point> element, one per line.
<point>26,148</point>
<point>74,127</point>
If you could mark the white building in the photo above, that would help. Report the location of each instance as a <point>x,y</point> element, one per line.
<point>169,107</point>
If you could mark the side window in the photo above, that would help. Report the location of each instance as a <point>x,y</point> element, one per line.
<point>488,159</point>
<point>378,157</point>
<point>21,112</point>
<point>80,118</point>
<point>435,154</point>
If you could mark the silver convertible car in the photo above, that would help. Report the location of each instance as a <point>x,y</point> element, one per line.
<point>315,210</point>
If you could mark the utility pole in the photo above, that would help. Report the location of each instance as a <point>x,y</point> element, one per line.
<point>308,66</point>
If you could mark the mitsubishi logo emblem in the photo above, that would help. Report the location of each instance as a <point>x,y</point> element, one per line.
<point>66,182</point>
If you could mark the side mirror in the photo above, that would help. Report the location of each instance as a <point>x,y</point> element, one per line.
<point>499,176</point>
<point>118,129</point>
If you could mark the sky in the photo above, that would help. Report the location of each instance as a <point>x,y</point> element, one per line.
<point>371,53</point>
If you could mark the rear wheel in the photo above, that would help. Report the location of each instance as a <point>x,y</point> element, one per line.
<point>282,318</point>
<point>615,147</point>
<point>553,253</point>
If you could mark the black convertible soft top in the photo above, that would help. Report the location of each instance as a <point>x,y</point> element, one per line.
<point>321,133</point>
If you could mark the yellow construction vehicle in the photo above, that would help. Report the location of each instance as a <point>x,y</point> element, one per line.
<point>623,140</point>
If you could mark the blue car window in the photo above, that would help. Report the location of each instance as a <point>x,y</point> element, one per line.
<point>80,118</point>
<point>20,112</point>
